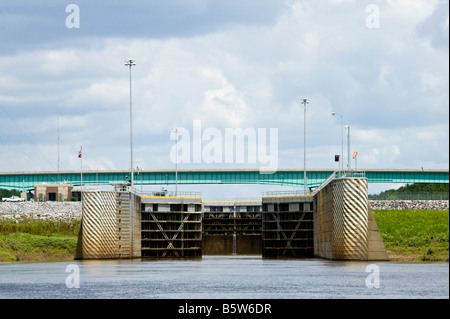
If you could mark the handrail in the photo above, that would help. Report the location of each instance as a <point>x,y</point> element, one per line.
<point>326,182</point>
<point>171,194</point>
<point>339,174</point>
<point>162,193</point>
<point>285,193</point>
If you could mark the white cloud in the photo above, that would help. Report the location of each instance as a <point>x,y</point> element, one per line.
<point>390,85</point>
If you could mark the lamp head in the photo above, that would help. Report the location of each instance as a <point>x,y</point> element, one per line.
<point>130,62</point>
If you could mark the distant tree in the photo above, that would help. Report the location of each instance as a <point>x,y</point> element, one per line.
<point>8,193</point>
<point>412,188</point>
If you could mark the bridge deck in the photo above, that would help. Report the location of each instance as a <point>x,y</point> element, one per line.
<point>290,177</point>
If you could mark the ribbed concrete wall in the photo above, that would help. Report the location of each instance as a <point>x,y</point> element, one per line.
<point>98,236</point>
<point>342,227</point>
<point>350,220</point>
<point>128,224</point>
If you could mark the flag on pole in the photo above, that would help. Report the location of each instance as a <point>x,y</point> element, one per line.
<point>354,154</point>
<point>79,153</point>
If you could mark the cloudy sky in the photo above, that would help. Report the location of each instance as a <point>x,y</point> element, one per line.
<point>381,64</point>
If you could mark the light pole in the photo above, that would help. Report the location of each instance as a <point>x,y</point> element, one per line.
<point>130,62</point>
<point>341,162</point>
<point>175,130</point>
<point>348,146</point>
<point>304,102</point>
<point>139,170</point>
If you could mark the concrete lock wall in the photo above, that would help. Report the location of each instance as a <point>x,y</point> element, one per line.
<point>128,224</point>
<point>336,223</point>
<point>343,227</point>
<point>98,236</point>
<point>108,228</point>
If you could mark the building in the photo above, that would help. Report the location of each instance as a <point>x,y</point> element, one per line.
<point>52,192</point>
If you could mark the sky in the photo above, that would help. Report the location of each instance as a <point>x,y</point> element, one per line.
<point>217,66</point>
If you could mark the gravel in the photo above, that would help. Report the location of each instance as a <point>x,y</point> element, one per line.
<point>409,204</point>
<point>56,211</point>
<point>69,211</point>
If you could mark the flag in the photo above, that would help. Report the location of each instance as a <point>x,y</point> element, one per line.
<point>79,153</point>
<point>354,154</point>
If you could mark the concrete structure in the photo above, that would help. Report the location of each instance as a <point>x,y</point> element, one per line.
<point>334,222</point>
<point>287,225</point>
<point>52,192</point>
<point>343,227</point>
<point>128,221</point>
<point>98,237</point>
<point>171,225</point>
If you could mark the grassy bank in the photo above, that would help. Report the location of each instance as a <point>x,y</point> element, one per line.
<point>415,235</point>
<point>408,235</point>
<point>38,240</point>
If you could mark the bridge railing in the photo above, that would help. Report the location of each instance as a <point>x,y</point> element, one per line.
<point>339,174</point>
<point>351,173</point>
<point>286,193</point>
<point>327,181</point>
<point>161,193</point>
<point>171,194</point>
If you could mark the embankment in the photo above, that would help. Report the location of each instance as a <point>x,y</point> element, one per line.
<point>68,211</point>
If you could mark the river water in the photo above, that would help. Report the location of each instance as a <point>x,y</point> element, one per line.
<point>223,277</point>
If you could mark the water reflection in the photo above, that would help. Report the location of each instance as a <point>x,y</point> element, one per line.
<point>223,277</point>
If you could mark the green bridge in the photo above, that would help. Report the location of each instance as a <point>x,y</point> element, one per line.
<point>289,177</point>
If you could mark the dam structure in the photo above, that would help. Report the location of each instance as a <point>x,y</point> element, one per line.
<point>333,221</point>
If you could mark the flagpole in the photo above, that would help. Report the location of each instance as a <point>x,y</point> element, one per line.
<point>355,155</point>
<point>81,169</point>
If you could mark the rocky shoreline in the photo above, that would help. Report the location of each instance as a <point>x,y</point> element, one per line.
<point>55,211</point>
<point>69,211</point>
<point>409,204</point>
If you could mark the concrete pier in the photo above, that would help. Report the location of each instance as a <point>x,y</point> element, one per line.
<point>342,227</point>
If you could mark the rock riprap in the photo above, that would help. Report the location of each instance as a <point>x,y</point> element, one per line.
<point>409,204</point>
<point>56,211</point>
<point>69,211</point>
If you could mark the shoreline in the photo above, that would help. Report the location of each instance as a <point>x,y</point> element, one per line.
<point>70,212</point>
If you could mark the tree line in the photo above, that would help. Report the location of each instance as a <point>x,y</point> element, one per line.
<point>409,191</point>
<point>8,193</point>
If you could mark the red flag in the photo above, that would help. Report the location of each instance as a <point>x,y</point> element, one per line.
<point>79,153</point>
<point>354,154</point>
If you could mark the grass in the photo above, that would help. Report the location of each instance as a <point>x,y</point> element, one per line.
<point>40,227</point>
<point>38,240</point>
<point>418,235</point>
